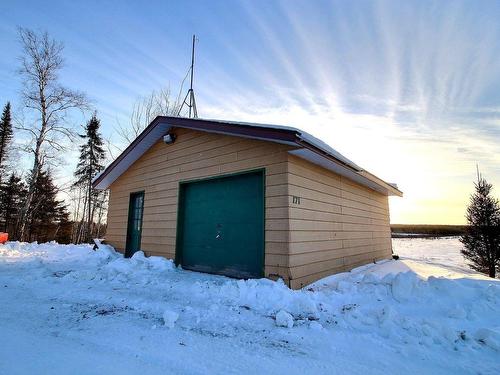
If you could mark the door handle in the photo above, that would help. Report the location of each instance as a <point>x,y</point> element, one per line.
<point>218,234</point>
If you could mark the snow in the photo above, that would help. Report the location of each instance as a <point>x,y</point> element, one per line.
<point>403,285</point>
<point>169,318</point>
<point>490,337</point>
<point>69,309</point>
<point>284,319</point>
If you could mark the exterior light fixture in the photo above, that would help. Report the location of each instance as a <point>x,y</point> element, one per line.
<point>169,138</point>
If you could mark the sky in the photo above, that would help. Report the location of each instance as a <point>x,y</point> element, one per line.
<point>409,90</point>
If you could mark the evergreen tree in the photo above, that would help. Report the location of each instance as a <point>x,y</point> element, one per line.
<point>91,162</point>
<point>5,135</point>
<point>12,194</point>
<point>47,211</point>
<point>482,239</point>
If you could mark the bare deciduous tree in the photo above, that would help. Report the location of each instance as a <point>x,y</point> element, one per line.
<point>51,102</point>
<point>158,103</point>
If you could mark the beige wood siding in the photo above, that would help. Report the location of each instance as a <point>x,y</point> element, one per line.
<point>196,155</point>
<point>337,225</point>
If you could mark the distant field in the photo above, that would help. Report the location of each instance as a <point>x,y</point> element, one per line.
<point>417,231</point>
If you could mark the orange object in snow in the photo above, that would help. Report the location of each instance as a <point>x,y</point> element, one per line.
<point>4,237</point>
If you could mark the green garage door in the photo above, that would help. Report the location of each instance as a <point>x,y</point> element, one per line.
<point>221,225</point>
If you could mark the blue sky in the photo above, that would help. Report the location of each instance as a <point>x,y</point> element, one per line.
<point>409,90</point>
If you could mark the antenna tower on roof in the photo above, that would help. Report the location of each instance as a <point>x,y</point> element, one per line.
<point>189,100</point>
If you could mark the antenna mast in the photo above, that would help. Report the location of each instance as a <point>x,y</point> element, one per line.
<point>191,103</point>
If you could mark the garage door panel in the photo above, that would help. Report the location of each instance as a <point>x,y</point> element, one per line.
<point>222,225</point>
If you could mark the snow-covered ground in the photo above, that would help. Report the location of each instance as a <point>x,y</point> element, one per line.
<point>70,310</point>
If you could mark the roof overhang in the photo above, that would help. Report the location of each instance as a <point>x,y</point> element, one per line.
<point>308,148</point>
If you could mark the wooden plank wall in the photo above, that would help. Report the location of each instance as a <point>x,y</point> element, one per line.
<point>337,225</point>
<point>197,155</point>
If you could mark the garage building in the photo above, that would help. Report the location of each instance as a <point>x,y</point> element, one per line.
<point>245,200</point>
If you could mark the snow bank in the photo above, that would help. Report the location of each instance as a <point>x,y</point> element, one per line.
<point>388,300</point>
<point>403,286</point>
<point>269,297</point>
<point>489,336</point>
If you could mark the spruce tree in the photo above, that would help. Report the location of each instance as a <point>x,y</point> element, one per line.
<point>5,136</point>
<point>12,194</point>
<point>91,162</point>
<point>47,211</point>
<point>482,239</point>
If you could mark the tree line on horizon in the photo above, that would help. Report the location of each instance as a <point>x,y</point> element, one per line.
<point>31,208</point>
<point>45,208</point>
